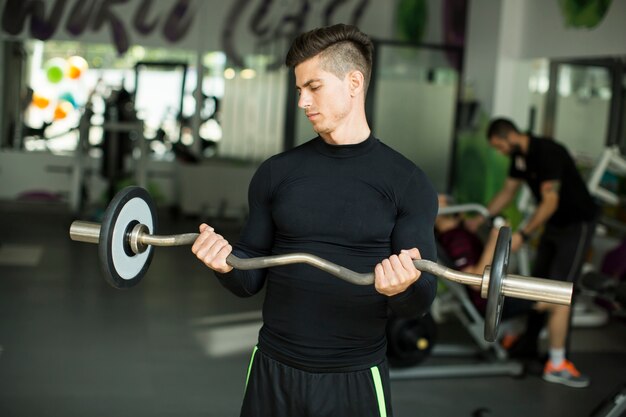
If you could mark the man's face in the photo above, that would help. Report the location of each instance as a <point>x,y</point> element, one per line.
<point>502,145</point>
<point>325,98</point>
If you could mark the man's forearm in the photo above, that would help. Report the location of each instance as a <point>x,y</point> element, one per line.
<point>542,213</point>
<point>499,202</point>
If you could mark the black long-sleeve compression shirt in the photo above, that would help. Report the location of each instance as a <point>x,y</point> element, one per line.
<point>353,205</point>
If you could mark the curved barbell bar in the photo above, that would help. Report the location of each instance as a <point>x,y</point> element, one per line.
<point>516,286</point>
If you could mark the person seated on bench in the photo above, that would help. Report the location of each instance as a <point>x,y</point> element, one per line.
<point>463,248</point>
<point>467,253</point>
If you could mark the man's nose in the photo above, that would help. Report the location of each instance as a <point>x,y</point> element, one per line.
<point>304,101</point>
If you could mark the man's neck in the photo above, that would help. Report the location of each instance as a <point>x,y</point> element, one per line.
<point>354,130</point>
<point>519,143</point>
<point>351,137</point>
<point>524,141</point>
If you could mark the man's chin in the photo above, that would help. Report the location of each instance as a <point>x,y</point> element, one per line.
<point>317,129</point>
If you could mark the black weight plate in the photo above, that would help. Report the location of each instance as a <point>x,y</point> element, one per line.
<point>122,268</point>
<point>495,297</point>
<point>410,340</point>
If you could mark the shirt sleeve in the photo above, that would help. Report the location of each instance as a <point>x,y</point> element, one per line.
<point>415,228</point>
<point>256,237</point>
<point>514,171</point>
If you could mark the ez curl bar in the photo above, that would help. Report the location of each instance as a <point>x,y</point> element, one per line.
<point>126,239</point>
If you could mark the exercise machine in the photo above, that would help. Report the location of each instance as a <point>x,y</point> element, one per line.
<point>479,359</point>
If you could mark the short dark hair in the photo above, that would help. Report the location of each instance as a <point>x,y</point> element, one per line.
<point>342,48</point>
<point>501,128</point>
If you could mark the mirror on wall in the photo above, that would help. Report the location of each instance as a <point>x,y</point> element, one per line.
<point>584,105</point>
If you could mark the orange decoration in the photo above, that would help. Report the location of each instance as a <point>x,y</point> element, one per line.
<point>40,101</point>
<point>62,109</point>
<point>76,66</point>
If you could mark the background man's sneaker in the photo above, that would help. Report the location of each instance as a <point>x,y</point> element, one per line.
<point>565,374</point>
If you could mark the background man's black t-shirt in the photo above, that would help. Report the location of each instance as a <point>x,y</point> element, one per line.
<point>546,160</point>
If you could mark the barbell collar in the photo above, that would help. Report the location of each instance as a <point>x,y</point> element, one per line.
<point>88,232</point>
<point>137,245</point>
<point>537,289</point>
<point>484,284</point>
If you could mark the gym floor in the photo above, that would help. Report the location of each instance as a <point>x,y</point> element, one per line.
<point>178,344</point>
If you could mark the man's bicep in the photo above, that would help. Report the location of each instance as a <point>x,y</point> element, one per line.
<point>415,223</point>
<point>550,188</point>
<point>257,235</point>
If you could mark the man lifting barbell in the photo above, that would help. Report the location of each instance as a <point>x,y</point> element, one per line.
<point>349,205</point>
<point>348,198</point>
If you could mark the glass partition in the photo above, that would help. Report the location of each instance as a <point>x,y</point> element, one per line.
<point>415,96</point>
<point>583,106</point>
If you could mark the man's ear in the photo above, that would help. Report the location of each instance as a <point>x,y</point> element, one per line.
<point>357,82</point>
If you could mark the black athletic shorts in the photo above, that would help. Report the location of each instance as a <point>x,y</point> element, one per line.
<point>562,250</point>
<point>274,389</point>
<point>560,256</point>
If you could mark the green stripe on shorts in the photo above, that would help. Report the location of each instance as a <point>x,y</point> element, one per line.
<point>380,395</point>
<point>250,365</point>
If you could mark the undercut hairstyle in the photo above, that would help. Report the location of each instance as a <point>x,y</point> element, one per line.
<point>501,128</point>
<point>341,48</point>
